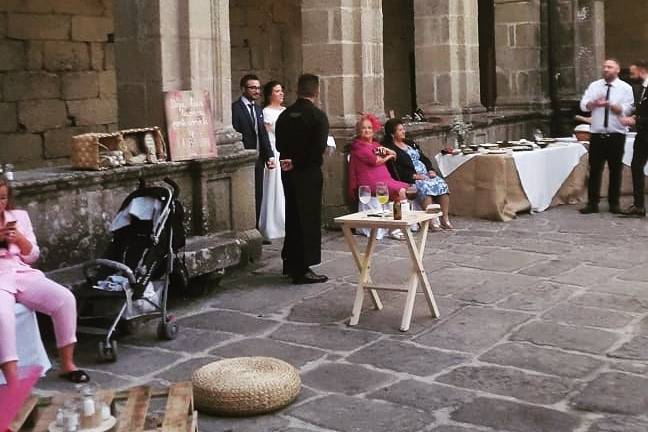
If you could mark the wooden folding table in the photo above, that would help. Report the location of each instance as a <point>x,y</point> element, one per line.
<point>417,275</point>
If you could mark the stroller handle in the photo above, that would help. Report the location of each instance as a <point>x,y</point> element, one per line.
<point>174,185</point>
<point>102,262</point>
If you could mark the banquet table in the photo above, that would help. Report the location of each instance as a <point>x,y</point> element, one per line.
<point>498,186</point>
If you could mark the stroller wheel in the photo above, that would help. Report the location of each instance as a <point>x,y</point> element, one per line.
<point>108,352</point>
<point>168,329</point>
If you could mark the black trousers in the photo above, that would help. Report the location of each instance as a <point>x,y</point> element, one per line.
<point>303,242</point>
<point>605,148</point>
<point>259,168</point>
<point>639,159</point>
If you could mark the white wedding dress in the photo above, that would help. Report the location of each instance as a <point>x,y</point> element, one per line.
<point>272,220</point>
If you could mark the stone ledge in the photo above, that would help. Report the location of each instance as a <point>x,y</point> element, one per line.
<point>203,255</point>
<point>55,178</point>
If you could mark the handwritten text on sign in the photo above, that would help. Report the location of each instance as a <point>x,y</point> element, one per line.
<point>189,124</point>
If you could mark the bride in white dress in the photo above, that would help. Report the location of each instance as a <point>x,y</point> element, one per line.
<point>272,219</point>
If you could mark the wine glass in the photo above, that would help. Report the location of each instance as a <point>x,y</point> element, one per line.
<point>364,194</point>
<point>411,193</point>
<point>382,195</point>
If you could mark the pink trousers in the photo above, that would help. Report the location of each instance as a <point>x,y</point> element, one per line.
<point>42,295</point>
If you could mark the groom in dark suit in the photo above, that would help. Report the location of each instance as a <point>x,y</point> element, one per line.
<point>247,119</point>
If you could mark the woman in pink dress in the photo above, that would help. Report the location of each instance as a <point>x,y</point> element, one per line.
<point>368,159</point>
<point>20,283</point>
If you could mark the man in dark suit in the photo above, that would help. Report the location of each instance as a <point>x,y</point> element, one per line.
<point>640,149</point>
<point>302,131</point>
<point>247,119</point>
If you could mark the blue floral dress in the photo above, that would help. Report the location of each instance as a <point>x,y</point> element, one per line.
<point>431,186</point>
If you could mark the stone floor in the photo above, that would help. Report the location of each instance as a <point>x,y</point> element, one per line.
<point>544,327</point>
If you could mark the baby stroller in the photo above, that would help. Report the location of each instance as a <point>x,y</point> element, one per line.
<point>132,280</point>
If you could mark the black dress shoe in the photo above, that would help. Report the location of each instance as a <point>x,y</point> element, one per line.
<point>310,277</point>
<point>634,212</point>
<point>266,242</point>
<point>285,270</point>
<point>615,209</point>
<point>589,209</point>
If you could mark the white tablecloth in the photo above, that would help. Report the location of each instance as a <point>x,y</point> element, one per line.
<point>542,172</point>
<point>629,151</point>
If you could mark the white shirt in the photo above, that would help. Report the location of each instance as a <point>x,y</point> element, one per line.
<point>620,94</point>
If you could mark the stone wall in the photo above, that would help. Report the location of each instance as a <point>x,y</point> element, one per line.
<point>57,77</point>
<point>266,39</point>
<point>626,32</point>
<point>519,52</point>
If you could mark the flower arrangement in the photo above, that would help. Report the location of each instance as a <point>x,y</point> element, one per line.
<point>461,129</point>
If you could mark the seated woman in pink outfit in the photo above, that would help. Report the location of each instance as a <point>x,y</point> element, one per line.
<point>368,159</point>
<point>21,283</point>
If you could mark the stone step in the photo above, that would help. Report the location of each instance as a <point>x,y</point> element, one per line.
<point>203,255</point>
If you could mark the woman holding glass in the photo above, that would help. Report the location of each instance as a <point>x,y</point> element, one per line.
<point>367,165</point>
<point>411,165</point>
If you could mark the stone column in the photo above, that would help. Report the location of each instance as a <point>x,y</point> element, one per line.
<point>577,50</point>
<point>172,45</point>
<point>447,56</point>
<point>342,43</point>
<point>521,65</point>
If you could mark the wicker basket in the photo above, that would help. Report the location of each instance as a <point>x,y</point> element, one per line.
<point>160,145</point>
<point>86,149</point>
<point>245,386</point>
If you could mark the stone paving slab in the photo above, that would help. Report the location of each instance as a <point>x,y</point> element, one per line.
<point>487,327</point>
<point>610,301</point>
<point>635,349</point>
<point>424,396</point>
<point>504,415</point>
<point>228,321</point>
<point>349,414</point>
<point>293,354</point>
<point>541,359</point>
<point>567,337</point>
<point>540,297</point>
<point>348,379</point>
<point>619,424</point>
<point>406,357</point>
<point>587,316</point>
<point>615,393</point>
<point>540,389</point>
<point>329,338</point>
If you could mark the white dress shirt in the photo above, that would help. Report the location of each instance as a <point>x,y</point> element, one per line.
<point>620,94</point>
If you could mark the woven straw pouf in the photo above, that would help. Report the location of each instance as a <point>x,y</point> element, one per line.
<point>245,386</point>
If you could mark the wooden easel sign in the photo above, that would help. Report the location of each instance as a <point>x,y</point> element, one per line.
<point>189,125</point>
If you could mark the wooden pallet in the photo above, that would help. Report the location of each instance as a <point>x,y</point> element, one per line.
<point>131,407</point>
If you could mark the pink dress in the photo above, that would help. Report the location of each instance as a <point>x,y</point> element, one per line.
<point>364,171</point>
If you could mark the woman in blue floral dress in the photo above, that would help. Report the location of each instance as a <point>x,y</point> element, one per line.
<point>413,167</point>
